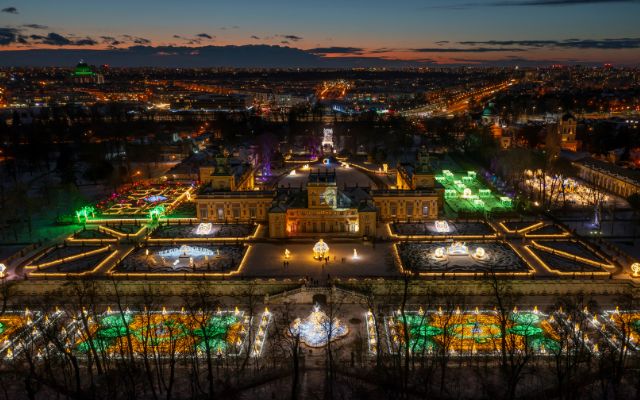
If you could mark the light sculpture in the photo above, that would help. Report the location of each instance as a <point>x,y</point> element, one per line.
<point>186,251</point>
<point>635,269</point>
<point>156,212</point>
<point>442,226</point>
<point>320,250</point>
<point>317,329</point>
<point>458,249</point>
<point>204,228</point>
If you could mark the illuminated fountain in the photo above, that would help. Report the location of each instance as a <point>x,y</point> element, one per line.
<point>466,193</point>
<point>305,167</point>
<point>355,254</point>
<point>439,253</point>
<point>317,330</point>
<point>3,268</point>
<point>442,226</point>
<point>204,228</point>
<point>292,173</point>
<point>287,254</point>
<point>320,250</point>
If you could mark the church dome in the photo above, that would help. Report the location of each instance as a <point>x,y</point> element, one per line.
<point>83,69</point>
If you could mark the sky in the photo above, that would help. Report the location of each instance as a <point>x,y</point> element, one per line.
<point>426,31</point>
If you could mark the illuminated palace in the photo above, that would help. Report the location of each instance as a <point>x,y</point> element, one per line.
<point>322,206</point>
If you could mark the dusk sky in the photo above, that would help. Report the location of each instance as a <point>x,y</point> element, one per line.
<point>455,31</point>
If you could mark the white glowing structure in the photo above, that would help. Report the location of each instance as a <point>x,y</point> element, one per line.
<point>317,330</point>
<point>3,268</point>
<point>355,254</point>
<point>186,251</point>
<point>204,228</point>
<point>327,137</point>
<point>320,249</point>
<point>439,253</point>
<point>442,226</point>
<point>287,254</point>
<point>466,193</point>
<point>292,173</point>
<point>458,249</point>
<point>480,253</point>
<point>305,167</point>
<point>635,269</point>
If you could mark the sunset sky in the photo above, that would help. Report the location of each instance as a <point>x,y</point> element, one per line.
<point>455,31</point>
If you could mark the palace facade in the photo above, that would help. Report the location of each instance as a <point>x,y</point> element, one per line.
<point>228,194</point>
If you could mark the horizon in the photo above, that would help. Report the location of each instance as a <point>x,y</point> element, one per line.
<point>518,32</point>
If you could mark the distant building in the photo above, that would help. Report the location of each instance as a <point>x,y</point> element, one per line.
<point>610,177</point>
<point>83,74</point>
<point>566,129</point>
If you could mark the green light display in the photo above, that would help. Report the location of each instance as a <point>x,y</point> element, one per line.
<point>464,192</point>
<point>83,214</point>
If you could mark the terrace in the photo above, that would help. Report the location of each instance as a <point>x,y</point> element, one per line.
<point>204,231</point>
<point>181,259</point>
<point>64,259</point>
<point>166,333</point>
<point>477,229</point>
<point>472,332</point>
<point>459,257</point>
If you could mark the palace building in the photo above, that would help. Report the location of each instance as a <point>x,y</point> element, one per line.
<point>323,205</point>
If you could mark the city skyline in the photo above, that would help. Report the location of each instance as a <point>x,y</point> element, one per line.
<point>523,32</point>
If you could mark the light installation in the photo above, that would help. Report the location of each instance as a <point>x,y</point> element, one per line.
<point>84,213</point>
<point>204,228</point>
<point>3,268</point>
<point>442,226</point>
<point>155,199</point>
<point>458,249</point>
<point>317,330</point>
<point>355,254</point>
<point>320,250</point>
<point>635,269</point>
<point>186,251</point>
<point>471,331</point>
<point>156,212</point>
<point>292,173</point>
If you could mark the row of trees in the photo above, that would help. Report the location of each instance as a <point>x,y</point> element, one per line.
<point>154,363</point>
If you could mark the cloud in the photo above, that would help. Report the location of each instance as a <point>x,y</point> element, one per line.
<point>336,50</point>
<point>204,36</point>
<point>35,26</point>
<point>10,10</point>
<point>284,42</point>
<point>11,36</point>
<point>255,37</point>
<point>439,42</point>
<point>534,3</point>
<point>56,39</point>
<point>140,40</point>
<point>466,50</point>
<point>293,38</point>
<point>603,44</point>
<point>224,28</point>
